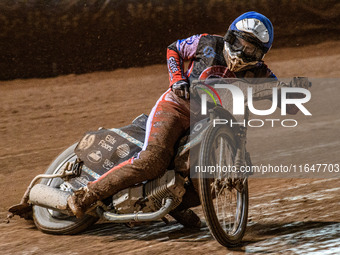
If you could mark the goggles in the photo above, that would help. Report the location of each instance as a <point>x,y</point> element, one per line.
<point>244,47</point>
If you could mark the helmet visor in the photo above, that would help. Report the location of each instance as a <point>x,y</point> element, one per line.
<point>248,51</point>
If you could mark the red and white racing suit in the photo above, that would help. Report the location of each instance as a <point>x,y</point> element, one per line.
<point>170,117</point>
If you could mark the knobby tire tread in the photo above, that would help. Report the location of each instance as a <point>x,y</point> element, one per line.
<point>206,197</point>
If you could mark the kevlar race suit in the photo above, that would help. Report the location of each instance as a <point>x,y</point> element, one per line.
<point>170,117</point>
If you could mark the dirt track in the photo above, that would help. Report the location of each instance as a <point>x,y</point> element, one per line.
<point>41,117</point>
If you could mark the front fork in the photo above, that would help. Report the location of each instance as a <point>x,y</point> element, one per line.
<point>242,157</point>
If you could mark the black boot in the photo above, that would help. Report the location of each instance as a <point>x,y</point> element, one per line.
<point>187,218</point>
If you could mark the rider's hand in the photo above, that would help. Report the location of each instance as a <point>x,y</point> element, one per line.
<point>300,82</point>
<point>181,89</point>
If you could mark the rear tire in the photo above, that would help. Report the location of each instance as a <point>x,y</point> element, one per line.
<point>53,222</point>
<point>225,208</point>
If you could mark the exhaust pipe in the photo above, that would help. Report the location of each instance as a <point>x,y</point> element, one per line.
<point>137,217</point>
<point>49,197</point>
<point>56,199</point>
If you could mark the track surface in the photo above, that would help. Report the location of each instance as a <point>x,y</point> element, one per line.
<point>41,117</point>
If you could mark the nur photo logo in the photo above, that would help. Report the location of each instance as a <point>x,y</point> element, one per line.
<point>243,97</point>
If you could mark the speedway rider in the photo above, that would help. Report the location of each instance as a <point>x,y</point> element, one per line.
<point>238,54</point>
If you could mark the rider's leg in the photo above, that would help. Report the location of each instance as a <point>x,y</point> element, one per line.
<point>168,120</point>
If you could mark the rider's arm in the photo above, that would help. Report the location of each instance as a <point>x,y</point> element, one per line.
<point>264,72</point>
<point>297,82</point>
<point>177,53</point>
<point>291,109</point>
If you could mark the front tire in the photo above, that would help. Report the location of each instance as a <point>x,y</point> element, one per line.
<point>225,208</point>
<point>53,222</point>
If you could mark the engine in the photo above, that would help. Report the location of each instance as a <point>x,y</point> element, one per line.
<point>149,196</point>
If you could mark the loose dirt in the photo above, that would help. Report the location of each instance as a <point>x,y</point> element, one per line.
<point>41,117</point>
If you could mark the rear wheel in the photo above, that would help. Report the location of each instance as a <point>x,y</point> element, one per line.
<point>54,222</point>
<point>224,204</point>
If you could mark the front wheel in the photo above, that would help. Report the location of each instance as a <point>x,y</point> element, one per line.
<point>224,204</point>
<point>53,222</point>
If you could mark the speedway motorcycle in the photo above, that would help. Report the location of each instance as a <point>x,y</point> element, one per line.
<point>223,195</point>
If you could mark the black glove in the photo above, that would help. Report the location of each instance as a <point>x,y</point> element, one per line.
<point>181,89</point>
<point>300,82</point>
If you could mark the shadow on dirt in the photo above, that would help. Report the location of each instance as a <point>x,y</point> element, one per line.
<point>152,231</point>
<point>270,229</point>
<point>260,238</point>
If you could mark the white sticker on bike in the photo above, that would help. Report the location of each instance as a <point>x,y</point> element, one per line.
<point>123,150</point>
<point>95,156</point>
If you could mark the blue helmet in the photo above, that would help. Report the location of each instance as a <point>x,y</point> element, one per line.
<point>248,38</point>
